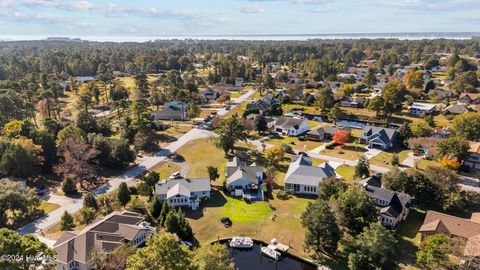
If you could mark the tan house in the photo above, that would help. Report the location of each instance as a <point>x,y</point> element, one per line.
<point>75,250</point>
<point>440,223</point>
<point>473,160</point>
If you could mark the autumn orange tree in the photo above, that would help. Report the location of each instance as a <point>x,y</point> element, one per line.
<point>341,137</point>
<point>450,162</point>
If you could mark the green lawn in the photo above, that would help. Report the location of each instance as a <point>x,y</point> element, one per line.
<point>424,163</point>
<point>350,151</point>
<point>48,207</point>
<point>385,157</point>
<point>240,211</point>
<point>347,173</point>
<point>294,142</point>
<point>166,169</point>
<point>410,238</point>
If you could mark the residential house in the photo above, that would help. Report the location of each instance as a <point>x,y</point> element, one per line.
<point>473,160</point>
<point>179,191</point>
<point>291,126</point>
<point>457,109</point>
<point>244,180</point>
<point>440,93</point>
<point>424,146</point>
<point>224,87</point>
<point>11,180</point>
<point>323,133</point>
<point>85,79</point>
<point>334,86</point>
<point>469,98</point>
<point>303,178</point>
<point>75,250</point>
<point>210,94</point>
<point>296,93</point>
<point>254,117</point>
<point>420,109</point>
<point>393,207</point>
<point>172,111</point>
<point>452,226</point>
<point>354,102</point>
<point>259,105</point>
<point>373,181</point>
<point>238,82</point>
<point>378,137</point>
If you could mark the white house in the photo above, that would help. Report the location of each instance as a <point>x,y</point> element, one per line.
<point>243,179</point>
<point>291,126</point>
<point>183,192</point>
<point>419,109</point>
<point>303,178</point>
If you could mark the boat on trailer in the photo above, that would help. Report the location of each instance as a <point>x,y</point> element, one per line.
<point>270,252</point>
<point>241,242</point>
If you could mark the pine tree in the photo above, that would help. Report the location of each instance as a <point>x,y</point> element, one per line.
<point>66,222</point>
<point>68,186</point>
<point>155,207</point>
<point>90,201</point>
<point>163,214</point>
<point>123,194</point>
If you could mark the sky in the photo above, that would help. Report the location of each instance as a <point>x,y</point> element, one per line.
<point>227,17</point>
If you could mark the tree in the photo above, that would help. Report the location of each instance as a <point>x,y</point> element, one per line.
<point>341,137</point>
<point>404,132</point>
<point>414,79</point>
<point>449,163</point>
<point>421,129</point>
<point>151,178</point>
<point>370,78</point>
<point>394,179</point>
<point>66,223</point>
<point>395,161</point>
<point>419,187</point>
<point>376,104</point>
<point>375,248</point>
<point>356,209</point>
<point>335,113</point>
<point>213,173</point>
<point>433,252</point>
<point>213,257</point>
<point>229,132</point>
<point>443,179</point>
<point>86,122</point>
<point>141,84</point>
<point>362,169</point>
<point>331,187</point>
<point>393,95</point>
<point>466,82</point>
<point>144,189</point>
<point>123,194</point>
<point>163,214</point>
<point>162,252</point>
<point>274,155</point>
<point>155,207</point>
<point>321,230</point>
<point>261,124</point>
<point>27,245</point>
<point>275,110</point>
<point>70,131</point>
<point>86,215</point>
<point>176,222</point>
<point>68,186</point>
<point>467,125</point>
<point>193,111</point>
<point>454,147</point>
<point>18,161</point>
<point>21,205</point>
<point>324,100</point>
<point>90,201</point>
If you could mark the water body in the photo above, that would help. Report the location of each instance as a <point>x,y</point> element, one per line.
<point>253,259</point>
<point>329,36</point>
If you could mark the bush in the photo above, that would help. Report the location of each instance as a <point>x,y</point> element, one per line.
<point>86,215</point>
<point>287,148</point>
<point>144,189</point>
<point>282,195</point>
<point>330,145</point>
<point>133,190</point>
<point>68,187</point>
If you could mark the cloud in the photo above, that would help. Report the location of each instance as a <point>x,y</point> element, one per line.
<point>313,2</point>
<point>74,5</point>
<point>7,3</point>
<point>430,6</point>
<point>251,9</point>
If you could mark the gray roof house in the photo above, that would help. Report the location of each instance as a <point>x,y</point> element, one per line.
<point>378,137</point>
<point>291,126</point>
<point>393,207</point>
<point>172,111</point>
<point>74,250</point>
<point>321,133</point>
<point>243,179</point>
<point>182,192</point>
<point>303,178</point>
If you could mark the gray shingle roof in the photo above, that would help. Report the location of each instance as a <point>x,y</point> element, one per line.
<point>303,173</point>
<point>287,122</point>
<point>385,135</point>
<point>186,186</point>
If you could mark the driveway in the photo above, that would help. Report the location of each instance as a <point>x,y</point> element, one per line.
<point>144,164</point>
<point>372,152</point>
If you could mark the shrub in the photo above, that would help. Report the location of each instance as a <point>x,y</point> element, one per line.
<point>143,189</point>
<point>287,148</point>
<point>68,187</point>
<point>282,195</point>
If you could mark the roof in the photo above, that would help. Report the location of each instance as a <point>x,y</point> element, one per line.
<point>474,147</point>
<point>457,109</point>
<point>386,135</point>
<point>302,172</point>
<point>471,96</point>
<point>422,106</point>
<point>108,233</point>
<point>288,122</point>
<point>396,201</point>
<point>456,226</point>
<point>182,186</point>
<point>259,105</point>
<point>246,173</point>
<point>374,181</point>
<point>323,130</point>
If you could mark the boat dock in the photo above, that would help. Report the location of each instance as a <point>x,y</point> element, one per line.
<point>279,246</point>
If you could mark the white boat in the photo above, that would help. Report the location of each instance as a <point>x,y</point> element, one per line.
<point>241,242</point>
<point>270,251</point>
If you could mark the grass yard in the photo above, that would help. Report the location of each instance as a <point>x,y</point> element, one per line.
<point>385,157</point>
<point>199,154</point>
<point>424,163</point>
<point>48,207</point>
<point>172,133</point>
<point>251,219</point>
<point>294,142</point>
<point>166,169</point>
<point>346,172</point>
<point>239,109</point>
<point>350,151</point>
<point>410,238</point>
<point>129,81</point>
